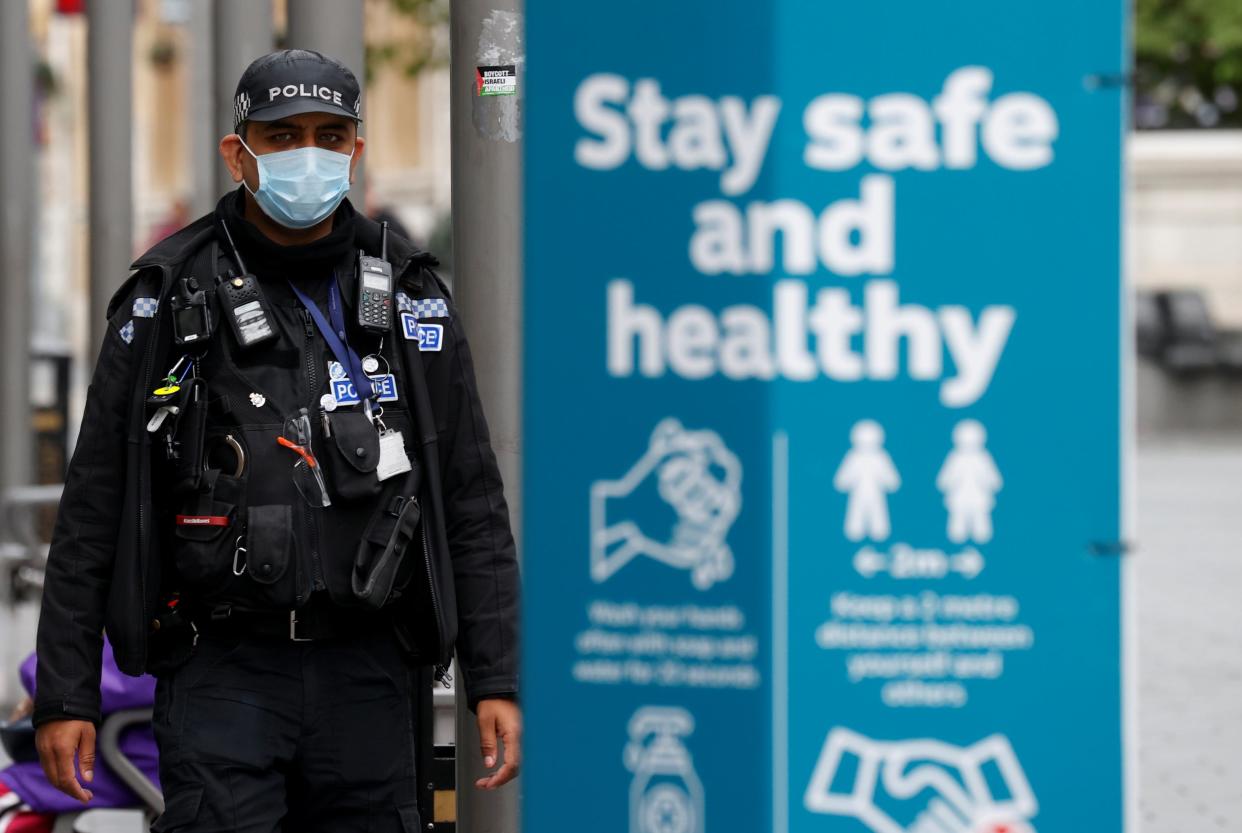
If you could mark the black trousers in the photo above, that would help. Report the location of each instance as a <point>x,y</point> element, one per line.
<point>266,735</point>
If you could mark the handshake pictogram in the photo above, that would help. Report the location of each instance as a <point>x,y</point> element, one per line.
<point>931,786</point>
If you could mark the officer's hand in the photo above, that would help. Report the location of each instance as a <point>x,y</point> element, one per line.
<point>499,718</point>
<point>57,743</point>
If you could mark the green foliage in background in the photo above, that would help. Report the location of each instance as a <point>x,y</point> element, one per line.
<point>412,55</point>
<point>1188,63</point>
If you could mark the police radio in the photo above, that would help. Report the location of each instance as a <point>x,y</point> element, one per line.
<point>375,288</point>
<point>243,303</point>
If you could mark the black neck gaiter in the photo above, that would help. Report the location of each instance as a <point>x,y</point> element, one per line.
<point>273,263</point>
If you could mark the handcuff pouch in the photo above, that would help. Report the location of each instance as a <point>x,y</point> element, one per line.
<point>269,539</point>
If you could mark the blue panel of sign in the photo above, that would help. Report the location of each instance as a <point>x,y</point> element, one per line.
<point>823,427</point>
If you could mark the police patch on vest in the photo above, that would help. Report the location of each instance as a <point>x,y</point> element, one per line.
<point>344,392</point>
<point>430,337</point>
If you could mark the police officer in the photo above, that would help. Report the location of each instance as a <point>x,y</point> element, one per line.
<point>282,499</point>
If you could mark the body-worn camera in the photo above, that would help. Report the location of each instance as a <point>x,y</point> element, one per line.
<point>191,313</point>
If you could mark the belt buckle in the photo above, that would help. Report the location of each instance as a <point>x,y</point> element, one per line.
<point>293,629</point>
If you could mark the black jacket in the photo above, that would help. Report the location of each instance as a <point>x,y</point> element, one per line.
<point>104,566</point>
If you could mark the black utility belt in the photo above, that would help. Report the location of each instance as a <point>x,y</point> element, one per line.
<point>302,625</point>
<point>266,557</point>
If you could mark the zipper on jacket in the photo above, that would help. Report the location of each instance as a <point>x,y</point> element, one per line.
<point>312,532</point>
<point>149,360</point>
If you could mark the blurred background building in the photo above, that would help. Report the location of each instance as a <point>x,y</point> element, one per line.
<point>1185,200</point>
<point>407,156</point>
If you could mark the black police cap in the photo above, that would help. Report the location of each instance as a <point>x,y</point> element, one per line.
<point>294,81</point>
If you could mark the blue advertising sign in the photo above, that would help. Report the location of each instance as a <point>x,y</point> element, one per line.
<point>823,428</point>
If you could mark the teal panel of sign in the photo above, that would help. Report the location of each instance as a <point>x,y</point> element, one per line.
<point>823,427</point>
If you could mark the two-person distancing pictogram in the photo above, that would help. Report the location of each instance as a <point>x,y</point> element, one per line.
<point>968,480</point>
<point>868,476</point>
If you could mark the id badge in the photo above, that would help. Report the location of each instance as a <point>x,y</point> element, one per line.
<point>392,459</point>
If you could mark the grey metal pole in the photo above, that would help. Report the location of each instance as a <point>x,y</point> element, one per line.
<point>243,32</point>
<point>201,108</point>
<point>17,161</point>
<point>334,27</point>
<point>109,56</point>
<point>487,284</point>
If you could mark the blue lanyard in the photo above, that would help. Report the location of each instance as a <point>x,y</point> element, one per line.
<point>334,335</point>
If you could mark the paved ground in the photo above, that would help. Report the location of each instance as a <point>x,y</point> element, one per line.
<point>1189,567</point>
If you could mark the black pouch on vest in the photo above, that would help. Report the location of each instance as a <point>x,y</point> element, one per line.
<point>269,546</point>
<point>381,553</point>
<point>353,456</point>
<point>206,532</point>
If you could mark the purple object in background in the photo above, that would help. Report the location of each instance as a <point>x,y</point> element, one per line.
<point>27,780</point>
<point>118,692</point>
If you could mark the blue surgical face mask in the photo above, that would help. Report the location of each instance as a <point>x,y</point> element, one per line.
<point>300,188</point>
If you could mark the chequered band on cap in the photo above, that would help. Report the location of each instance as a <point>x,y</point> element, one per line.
<point>241,108</point>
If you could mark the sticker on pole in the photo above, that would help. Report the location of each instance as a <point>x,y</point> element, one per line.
<point>497,80</point>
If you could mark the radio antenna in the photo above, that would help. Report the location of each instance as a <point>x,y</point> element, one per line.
<point>384,240</point>
<point>236,254</point>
